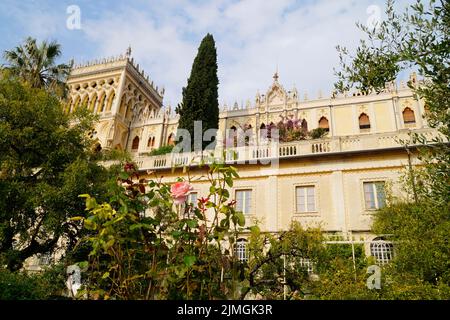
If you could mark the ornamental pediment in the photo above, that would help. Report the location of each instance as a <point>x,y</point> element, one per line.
<point>276,95</point>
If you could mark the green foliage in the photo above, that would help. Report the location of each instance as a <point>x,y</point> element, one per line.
<point>162,150</point>
<point>420,229</point>
<point>278,258</point>
<point>417,39</point>
<point>200,96</point>
<point>48,285</point>
<point>318,133</point>
<point>142,247</point>
<point>421,233</point>
<point>34,64</point>
<point>45,163</point>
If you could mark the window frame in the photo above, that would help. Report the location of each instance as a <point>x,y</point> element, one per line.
<point>306,186</point>
<point>241,251</point>
<point>251,202</point>
<point>375,194</point>
<point>189,198</point>
<point>384,251</point>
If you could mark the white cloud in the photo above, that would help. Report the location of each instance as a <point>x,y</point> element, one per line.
<point>252,38</point>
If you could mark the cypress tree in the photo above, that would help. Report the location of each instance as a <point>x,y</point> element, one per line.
<point>200,96</point>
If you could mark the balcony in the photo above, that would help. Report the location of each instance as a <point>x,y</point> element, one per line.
<point>264,153</point>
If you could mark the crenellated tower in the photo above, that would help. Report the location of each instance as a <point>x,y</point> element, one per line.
<point>119,92</point>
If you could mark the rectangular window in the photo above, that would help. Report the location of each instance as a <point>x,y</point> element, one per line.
<point>306,200</point>
<point>244,201</point>
<point>374,195</point>
<point>192,198</point>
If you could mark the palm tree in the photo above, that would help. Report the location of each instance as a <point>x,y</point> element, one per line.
<point>35,64</point>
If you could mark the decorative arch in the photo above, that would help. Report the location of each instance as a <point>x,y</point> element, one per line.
<point>241,250</point>
<point>262,130</point>
<point>232,134</point>
<point>324,124</point>
<point>364,121</point>
<point>135,144</point>
<point>76,103</point>
<point>129,109</point>
<point>94,99</point>
<point>248,134</point>
<point>382,250</point>
<point>171,139</point>
<point>304,125</point>
<point>68,105</point>
<point>111,98</point>
<point>408,116</point>
<point>151,142</point>
<point>102,103</point>
<point>122,105</point>
<point>85,101</point>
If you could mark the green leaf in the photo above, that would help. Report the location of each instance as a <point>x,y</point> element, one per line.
<point>105,275</point>
<point>192,223</point>
<point>229,181</point>
<point>189,260</point>
<point>91,203</point>
<point>255,230</point>
<point>123,175</point>
<point>83,264</point>
<point>241,218</point>
<point>76,218</point>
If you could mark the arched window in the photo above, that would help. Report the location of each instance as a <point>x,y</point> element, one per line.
<point>381,250</point>
<point>76,104</point>
<point>151,142</point>
<point>85,102</point>
<point>93,101</point>
<point>304,125</point>
<point>241,250</point>
<point>364,122</point>
<point>135,144</point>
<point>69,104</point>
<point>248,134</point>
<point>101,104</point>
<point>129,109</point>
<point>408,116</point>
<point>171,140</point>
<point>262,131</point>
<point>98,147</point>
<point>323,123</point>
<point>110,101</point>
<point>233,135</point>
<point>122,105</point>
<point>269,130</point>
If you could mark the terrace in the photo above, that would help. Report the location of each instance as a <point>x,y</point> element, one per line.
<point>273,150</point>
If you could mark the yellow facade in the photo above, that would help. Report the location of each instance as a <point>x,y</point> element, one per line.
<point>334,179</point>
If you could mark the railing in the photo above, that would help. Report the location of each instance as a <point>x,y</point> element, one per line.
<point>252,154</point>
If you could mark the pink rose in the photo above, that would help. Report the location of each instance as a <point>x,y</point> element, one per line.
<point>179,191</point>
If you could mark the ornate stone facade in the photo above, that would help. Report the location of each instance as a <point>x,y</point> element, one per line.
<point>337,174</point>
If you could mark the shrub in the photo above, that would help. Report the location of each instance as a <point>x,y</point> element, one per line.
<point>162,150</point>
<point>318,133</point>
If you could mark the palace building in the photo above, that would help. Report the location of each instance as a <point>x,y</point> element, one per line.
<point>337,181</point>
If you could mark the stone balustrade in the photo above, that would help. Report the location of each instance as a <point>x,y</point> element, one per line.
<point>257,154</point>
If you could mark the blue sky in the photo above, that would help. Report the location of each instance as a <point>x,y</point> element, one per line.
<point>253,37</point>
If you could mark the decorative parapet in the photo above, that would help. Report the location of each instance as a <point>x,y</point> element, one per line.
<point>253,154</point>
<point>123,61</point>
